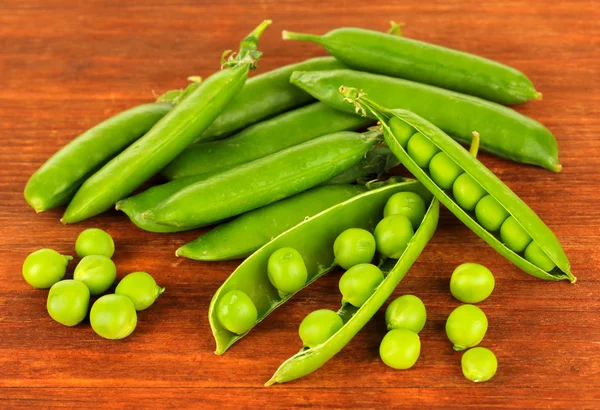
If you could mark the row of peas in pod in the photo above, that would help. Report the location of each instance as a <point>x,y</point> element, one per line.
<point>112,316</point>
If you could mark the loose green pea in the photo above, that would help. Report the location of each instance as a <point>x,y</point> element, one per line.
<point>490,213</point>
<point>444,170</point>
<point>236,312</point>
<point>467,192</point>
<point>286,270</point>
<point>479,364</point>
<point>358,283</point>
<point>94,241</point>
<point>471,283</point>
<point>406,312</point>
<point>318,326</point>
<point>421,150</point>
<point>97,272</point>
<point>466,326</point>
<point>535,255</point>
<point>400,348</point>
<point>68,302</point>
<point>141,288</point>
<point>113,317</point>
<point>392,234</point>
<point>407,203</point>
<point>513,235</point>
<point>44,267</point>
<point>354,246</point>
<point>401,130</point>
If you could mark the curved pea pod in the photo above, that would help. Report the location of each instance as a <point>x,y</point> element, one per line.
<point>307,360</point>
<point>504,132</point>
<point>313,238</point>
<point>525,216</point>
<point>398,56</point>
<point>245,234</point>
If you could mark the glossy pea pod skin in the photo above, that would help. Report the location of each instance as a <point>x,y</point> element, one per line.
<point>262,139</point>
<point>313,238</point>
<point>245,234</point>
<point>263,181</point>
<point>504,132</point>
<point>167,139</point>
<point>266,95</point>
<point>525,216</point>
<point>57,180</point>
<point>308,360</point>
<point>414,60</point>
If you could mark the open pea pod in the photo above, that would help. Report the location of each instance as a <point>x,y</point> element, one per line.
<point>525,216</point>
<point>307,360</point>
<point>313,238</point>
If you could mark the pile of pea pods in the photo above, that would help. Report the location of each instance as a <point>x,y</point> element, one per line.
<point>291,166</point>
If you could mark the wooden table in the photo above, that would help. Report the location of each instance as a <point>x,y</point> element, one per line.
<point>66,65</point>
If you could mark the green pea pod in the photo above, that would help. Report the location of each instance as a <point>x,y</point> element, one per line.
<point>307,360</point>
<point>525,216</point>
<point>423,62</point>
<point>262,139</point>
<point>243,235</point>
<point>504,132</point>
<point>313,238</point>
<point>263,181</point>
<point>168,138</point>
<point>265,96</point>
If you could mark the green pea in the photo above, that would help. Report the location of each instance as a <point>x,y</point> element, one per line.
<point>490,213</point>
<point>407,203</point>
<point>359,282</point>
<point>113,317</point>
<point>406,312</point>
<point>535,255</point>
<point>354,246</point>
<point>44,267</point>
<point>401,130</point>
<point>141,288</point>
<point>466,326</point>
<point>400,348</point>
<point>94,241</point>
<point>97,272</point>
<point>68,302</point>
<point>236,312</point>
<point>471,283</point>
<point>467,192</point>
<point>479,364</point>
<point>444,170</point>
<point>318,326</point>
<point>392,234</point>
<point>286,270</point>
<point>513,235</point>
<point>421,150</point>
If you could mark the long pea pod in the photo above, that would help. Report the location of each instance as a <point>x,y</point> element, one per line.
<point>402,57</point>
<point>313,239</point>
<point>504,132</point>
<point>524,216</point>
<point>307,360</point>
<point>168,138</point>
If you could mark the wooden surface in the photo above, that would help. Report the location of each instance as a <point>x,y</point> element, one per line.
<point>66,65</point>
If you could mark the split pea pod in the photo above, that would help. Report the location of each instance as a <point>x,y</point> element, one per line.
<point>262,139</point>
<point>309,359</point>
<point>168,138</point>
<point>263,181</point>
<point>470,191</point>
<point>313,238</point>
<point>426,63</point>
<point>504,132</point>
<point>243,235</point>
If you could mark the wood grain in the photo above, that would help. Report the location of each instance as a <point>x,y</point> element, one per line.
<point>66,65</point>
